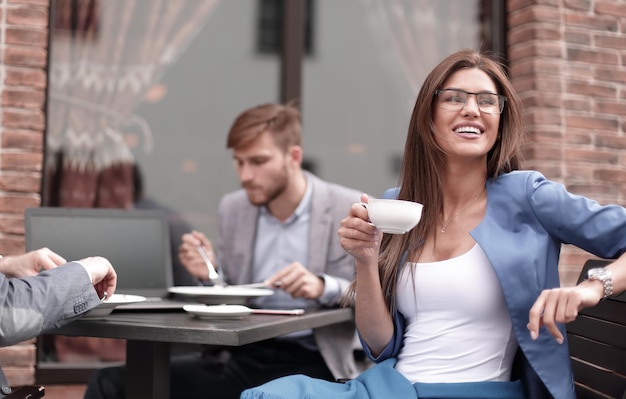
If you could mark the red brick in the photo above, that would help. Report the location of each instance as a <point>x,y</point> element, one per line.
<point>593,56</point>
<point>609,140</point>
<point>21,161</point>
<point>544,135</point>
<point>22,139</point>
<point>552,170</point>
<point>591,90</point>
<point>537,49</point>
<point>611,176</point>
<point>45,3</point>
<point>21,119</point>
<point>593,123</point>
<point>24,182</point>
<point>579,71</point>
<point>617,42</point>
<point>543,117</point>
<point>578,104</point>
<point>14,203</point>
<point>532,32</point>
<point>25,56</point>
<point>12,224</point>
<point>550,83</point>
<point>592,156</point>
<point>27,16</point>
<point>513,6</point>
<point>546,100</point>
<point>27,37</point>
<point>11,244</point>
<point>582,5</point>
<point>544,14</point>
<point>579,172</point>
<point>547,152</point>
<point>610,74</point>
<point>578,37</point>
<point>576,137</point>
<point>32,77</point>
<point>593,23</point>
<point>610,7</point>
<point>23,98</point>
<point>605,106</point>
<point>537,67</point>
<point>601,192</point>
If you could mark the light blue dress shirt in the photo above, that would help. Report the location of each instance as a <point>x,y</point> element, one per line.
<point>279,244</point>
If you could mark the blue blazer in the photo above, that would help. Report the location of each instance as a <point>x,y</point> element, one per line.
<point>527,220</point>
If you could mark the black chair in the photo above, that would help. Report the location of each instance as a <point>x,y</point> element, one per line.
<point>597,344</point>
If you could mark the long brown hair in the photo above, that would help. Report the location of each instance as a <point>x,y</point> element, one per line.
<point>420,177</point>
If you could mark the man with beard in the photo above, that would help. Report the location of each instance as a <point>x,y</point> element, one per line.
<point>280,228</point>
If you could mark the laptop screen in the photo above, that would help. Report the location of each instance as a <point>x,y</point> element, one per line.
<point>136,242</point>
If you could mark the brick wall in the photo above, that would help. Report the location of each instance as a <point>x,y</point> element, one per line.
<point>568,62</point>
<point>23,60</point>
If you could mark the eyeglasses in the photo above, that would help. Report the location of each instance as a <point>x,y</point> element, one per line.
<point>455,100</point>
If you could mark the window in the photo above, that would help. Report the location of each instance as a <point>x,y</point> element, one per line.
<point>270,27</point>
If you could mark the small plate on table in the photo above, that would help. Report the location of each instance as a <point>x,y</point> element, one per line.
<point>222,312</point>
<point>216,295</point>
<point>107,306</point>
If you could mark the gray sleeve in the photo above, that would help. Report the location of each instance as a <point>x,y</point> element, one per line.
<point>31,305</point>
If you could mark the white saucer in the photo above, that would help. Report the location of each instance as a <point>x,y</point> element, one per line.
<point>222,312</point>
<point>215,295</point>
<point>106,307</point>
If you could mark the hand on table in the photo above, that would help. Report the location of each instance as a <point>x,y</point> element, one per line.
<point>298,281</point>
<point>30,263</point>
<point>103,276</point>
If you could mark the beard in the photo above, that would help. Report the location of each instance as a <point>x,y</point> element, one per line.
<point>259,195</point>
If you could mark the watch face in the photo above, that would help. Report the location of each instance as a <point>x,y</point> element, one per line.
<point>603,275</point>
<point>598,273</point>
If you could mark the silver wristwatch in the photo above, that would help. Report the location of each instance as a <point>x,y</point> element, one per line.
<point>603,275</point>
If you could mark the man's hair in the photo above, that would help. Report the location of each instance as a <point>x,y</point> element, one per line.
<point>283,122</point>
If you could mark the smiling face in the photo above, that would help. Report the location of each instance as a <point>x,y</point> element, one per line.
<point>466,132</point>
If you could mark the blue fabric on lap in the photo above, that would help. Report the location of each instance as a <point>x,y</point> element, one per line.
<point>470,390</point>
<point>381,381</point>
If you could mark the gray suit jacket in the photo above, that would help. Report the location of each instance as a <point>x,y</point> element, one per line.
<point>31,305</point>
<point>330,204</point>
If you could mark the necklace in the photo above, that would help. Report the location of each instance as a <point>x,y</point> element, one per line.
<point>444,226</point>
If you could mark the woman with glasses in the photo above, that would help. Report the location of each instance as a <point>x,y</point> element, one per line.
<point>468,304</point>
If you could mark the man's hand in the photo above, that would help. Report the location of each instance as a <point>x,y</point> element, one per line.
<point>190,257</point>
<point>30,263</point>
<point>103,276</point>
<point>297,281</point>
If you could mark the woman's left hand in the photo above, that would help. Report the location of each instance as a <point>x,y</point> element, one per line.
<point>561,305</point>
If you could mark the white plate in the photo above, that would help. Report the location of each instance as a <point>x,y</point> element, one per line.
<point>106,307</point>
<point>231,295</point>
<point>224,312</point>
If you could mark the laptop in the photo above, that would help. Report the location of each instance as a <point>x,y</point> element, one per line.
<point>136,242</point>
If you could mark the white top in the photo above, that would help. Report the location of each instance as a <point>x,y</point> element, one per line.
<point>458,327</point>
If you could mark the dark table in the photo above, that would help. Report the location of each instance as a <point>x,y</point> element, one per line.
<point>150,334</point>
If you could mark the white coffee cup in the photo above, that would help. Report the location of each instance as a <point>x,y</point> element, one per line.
<point>394,216</point>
